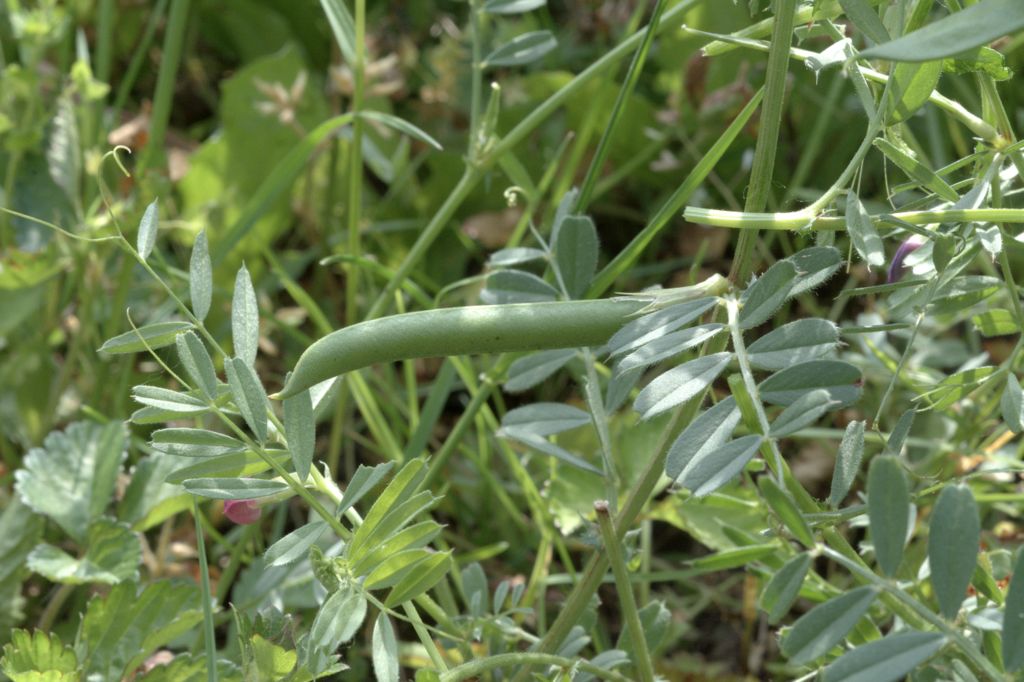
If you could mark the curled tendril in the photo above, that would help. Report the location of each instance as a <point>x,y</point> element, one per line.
<point>512,194</point>
<point>117,159</point>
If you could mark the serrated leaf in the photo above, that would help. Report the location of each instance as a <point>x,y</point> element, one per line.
<point>793,343</point>
<point>294,546</point>
<point>863,233</point>
<point>112,554</point>
<point>668,346</point>
<point>714,467</point>
<point>384,648</point>
<point>814,266</point>
<point>885,660</point>
<point>784,587</point>
<point>512,6</point>
<point>200,277</point>
<point>764,296</point>
<point>802,412</point>
<point>959,32</point>
<point>953,539</point>
<point>679,384</point>
<point>249,396</point>
<point>1013,619</point>
<point>516,286</point>
<point>782,503</point>
<point>522,49</point>
<point>122,629</point>
<point>824,626</point>
<point>245,318</point>
<point>338,619</point>
<point>576,253</point>
<point>839,378</point>
<point>709,431</point>
<point>185,442</point>
<point>1011,405</point>
<point>851,450</point>
<point>544,419</point>
<point>72,477</point>
<point>38,657</point>
<point>998,322</point>
<point>197,362</point>
<point>431,572</point>
<point>147,231</point>
<point>155,335</point>
<point>888,510</point>
<point>527,372</point>
<point>233,488</point>
<point>362,482</point>
<point>300,430</point>
<point>653,326</point>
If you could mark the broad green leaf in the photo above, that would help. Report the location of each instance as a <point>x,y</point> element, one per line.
<point>200,277</point>
<point>814,266</point>
<point>851,450</point>
<point>72,477</point>
<point>784,507</point>
<point>38,657</point>
<point>705,434</point>
<point>197,362</point>
<point>653,326</point>
<point>185,442</point>
<point>1012,404</point>
<point>668,346</point>
<point>885,660</point>
<point>512,6</point>
<point>246,463</point>
<point>362,482</point>
<point>527,372</point>
<point>338,619</point>
<point>839,378</point>
<point>714,467</point>
<point>959,32</point>
<point>401,125</point>
<point>148,226</point>
<point>888,511</point>
<point>916,170</point>
<point>542,444</point>
<point>404,484</point>
<point>516,286</point>
<point>958,386</point>
<point>954,536</point>
<point>1013,619</point>
<point>168,400</point>
<point>544,419</point>
<point>295,544</point>
<point>245,318</point>
<point>863,233</point>
<point>764,296</point>
<point>155,335</point>
<point>679,384</point>
<point>522,49</point>
<point>519,255</point>
<point>112,554</point>
<point>433,570</point>
<point>576,254</point>
<point>865,18</point>
<point>249,396</point>
<point>300,430</point>
<point>233,488</point>
<point>997,322</point>
<point>802,412</point>
<point>122,629</point>
<point>784,587</point>
<point>899,433</point>
<point>793,343</point>
<point>384,648</point>
<point>912,85</point>
<point>817,631</point>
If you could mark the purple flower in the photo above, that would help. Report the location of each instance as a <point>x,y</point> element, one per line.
<point>909,245</point>
<point>243,512</point>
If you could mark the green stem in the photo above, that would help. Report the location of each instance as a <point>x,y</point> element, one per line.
<point>174,43</point>
<point>624,587</point>
<point>355,166</point>
<point>526,658</point>
<point>204,583</point>
<point>421,632</point>
<point>808,220</point>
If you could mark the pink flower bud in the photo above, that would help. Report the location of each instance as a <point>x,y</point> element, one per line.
<point>909,245</point>
<point>243,512</point>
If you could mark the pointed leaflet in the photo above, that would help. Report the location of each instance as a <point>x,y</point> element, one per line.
<point>784,587</point>
<point>338,619</point>
<point>235,464</point>
<point>793,343</point>
<point>911,86</point>
<point>184,442</point>
<point>865,18</point>
<point>362,481</point>
<point>824,626</point>
<point>885,660</point>
<point>851,450</point>
<point>576,254</point>
<point>888,510</point>
<point>385,650</point>
<point>200,277</point>
<point>512,6</point>
<point>249,396</point>
<point>840,379</point>
<point>899,433</point>
<point>544,419</point>
<point>1012,404</point>
<point>862,232</point>
<point>431,572</point>
<point>668,346</point>
<point>401,125</point>
<point>679,384</point>
<point>233,488</point>
<point>709,431</point>
<point>300,430</point>
<point>72,477</point>
<point>197,362</point>
<point>522,49</point>
<point>403,485</point>
<point>766,294</point>
<point>953,540</point>
<point>803,412</point>
<point>294,546</point>
<point>1013,619</point>
<point>245,318</point>
<point>156,335</point>
<point>147,231</point>
<point>528,371</point>
<point>782,504</point>
<point>716,467</point>
<point>814,266</point>
<point>653,326</point>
